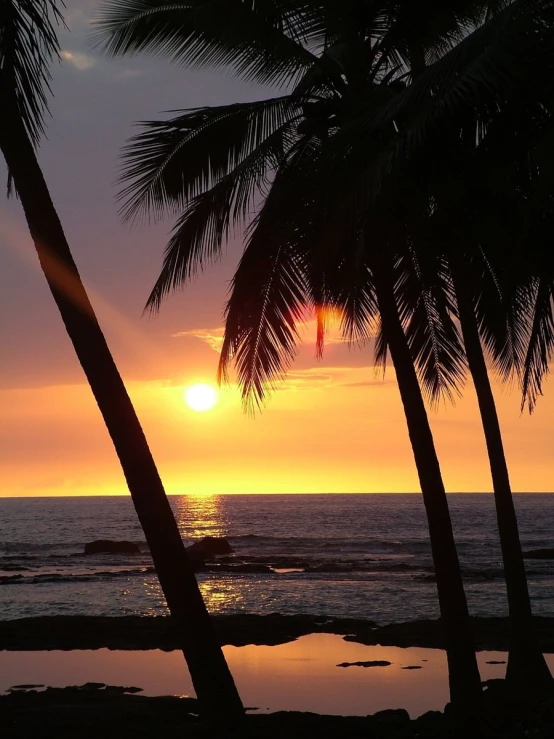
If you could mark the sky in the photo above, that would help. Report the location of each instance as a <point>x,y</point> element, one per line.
<point>334,425</point>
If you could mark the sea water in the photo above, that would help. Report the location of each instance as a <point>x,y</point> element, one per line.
<point>365,556</point>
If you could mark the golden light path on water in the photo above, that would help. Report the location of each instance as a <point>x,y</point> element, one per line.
<point>199,516</point>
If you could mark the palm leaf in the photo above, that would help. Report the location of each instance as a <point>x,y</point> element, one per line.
<point>541,342</point>
<point>426,309</point>
<point>172,162</point>
<point>260,39</point>
<point>462,90</point>
<point>270,292</point>
<point>28,43</point>
<point>204,226</point>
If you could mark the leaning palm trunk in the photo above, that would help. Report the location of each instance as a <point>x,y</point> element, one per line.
<point>527,668</point>
<point>210,674</point>
<point>464,679</point>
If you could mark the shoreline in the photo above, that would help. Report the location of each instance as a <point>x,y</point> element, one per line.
<point>44,633</point>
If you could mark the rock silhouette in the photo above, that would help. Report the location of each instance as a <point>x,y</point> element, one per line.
<point>106,546</point>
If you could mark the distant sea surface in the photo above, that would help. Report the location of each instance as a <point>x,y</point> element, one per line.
<point>366,556</point>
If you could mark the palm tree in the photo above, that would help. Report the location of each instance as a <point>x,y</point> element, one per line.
<point>348,64</point>
<point>28,43</point>
<point>475,218</point>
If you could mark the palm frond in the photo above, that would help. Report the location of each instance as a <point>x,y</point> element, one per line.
<point>172,162</point>
<point>462,90</point>
<point>271,290</point>
<point>260,39</point>
<point>268,300</point>
<point>433,30</point>
<point>540,344</point>
<point>28,44</point>
<point>501,312</point>
<point>381,351</point>
<point>202,229</point>
<point>426,309</point>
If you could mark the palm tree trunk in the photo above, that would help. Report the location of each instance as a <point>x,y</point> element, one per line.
<point>209,671</point>
<point>465,683</point>
<point>526,664</point>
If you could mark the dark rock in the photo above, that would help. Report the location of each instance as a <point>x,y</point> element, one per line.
<point>92,686</point>
<point>30,686</point>
<point>431,723</point>
<point>396,716</point>
<point>496,662</point>
<point>539,554</point>
<point>211,545</point>
<point>373,663</point>
<point>106,546</point>
<point>10,578</point>
<point>157,632</point>
<point>412,667</point>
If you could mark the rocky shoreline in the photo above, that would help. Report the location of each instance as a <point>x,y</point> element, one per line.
<point>95,710</point>
<point>156,632</point>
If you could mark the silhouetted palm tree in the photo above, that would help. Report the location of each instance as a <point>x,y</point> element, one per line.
<point>28,43</point>
<point>348,64</point>
<point>496,84</point>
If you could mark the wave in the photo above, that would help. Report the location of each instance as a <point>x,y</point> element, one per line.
<point>73,578</point>
<point>316,544</point>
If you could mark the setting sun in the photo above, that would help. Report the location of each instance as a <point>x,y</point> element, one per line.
<point>200,397</point>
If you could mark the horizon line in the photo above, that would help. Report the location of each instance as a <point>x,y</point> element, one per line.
<point>127,494</point>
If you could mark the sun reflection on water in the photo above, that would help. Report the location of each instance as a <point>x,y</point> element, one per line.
<point>224,596</point>
<point>200,515</point>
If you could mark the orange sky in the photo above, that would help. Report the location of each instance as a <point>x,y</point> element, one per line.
<point>333,426</point>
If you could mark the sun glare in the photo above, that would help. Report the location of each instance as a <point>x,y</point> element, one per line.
<point>200,397</point>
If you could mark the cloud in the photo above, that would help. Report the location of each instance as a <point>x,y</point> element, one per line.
<point>128,74</point>
<point>368,383</point>
<point>326,377</point>
<point>78,59</point>
<point>211,336</point>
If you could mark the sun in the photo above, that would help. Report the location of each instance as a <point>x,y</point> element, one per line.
<point>200,397</point>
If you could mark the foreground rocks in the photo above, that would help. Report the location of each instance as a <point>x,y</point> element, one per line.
<point>95,710</point>
<point>156,632</point>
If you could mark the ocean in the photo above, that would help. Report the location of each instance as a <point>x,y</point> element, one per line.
<point>363,556</point>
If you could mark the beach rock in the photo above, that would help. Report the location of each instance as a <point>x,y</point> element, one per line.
<point>392,717</point>
<point>213,545</point>
<point>107,546</point>
<point>430,724</point>
<point>91,686</point>
<point>372,663</point>
<point>539,554</point>
<point>27,686</point>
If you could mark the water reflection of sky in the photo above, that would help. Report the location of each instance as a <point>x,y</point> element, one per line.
<point>301,675</point>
